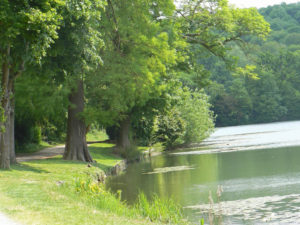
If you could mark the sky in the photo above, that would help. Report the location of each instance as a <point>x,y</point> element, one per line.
<point>259,3</point>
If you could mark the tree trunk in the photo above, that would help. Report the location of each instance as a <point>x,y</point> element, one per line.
<point>76,146</point>
<point>6,107</point>
<point>7,137</point>
<point>12,126</point>
<point>5,147</point>
<point>123,141</point>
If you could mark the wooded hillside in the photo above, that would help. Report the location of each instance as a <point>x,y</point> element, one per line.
<point>274,93</point>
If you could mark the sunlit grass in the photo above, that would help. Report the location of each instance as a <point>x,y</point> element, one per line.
<point>43,192</point>
<point>96,135</point>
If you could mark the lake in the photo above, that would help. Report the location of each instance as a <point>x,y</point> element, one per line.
<point>257,166</point>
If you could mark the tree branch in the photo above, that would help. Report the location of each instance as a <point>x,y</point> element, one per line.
<point>118,38</point>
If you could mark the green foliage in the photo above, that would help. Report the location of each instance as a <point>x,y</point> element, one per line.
<point>28,28</point>
<point>40,102</point>
<point>171,128</point>
<point>273,94</point>
<point>78,47</point>
<point>213,24</point>
<point>129,57</point>
<point>188,120</point>
<point>136,57</point>
<point>267,102</point>
<point>195,111</point>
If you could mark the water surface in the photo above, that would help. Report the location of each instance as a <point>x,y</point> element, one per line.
<point>257,166</point>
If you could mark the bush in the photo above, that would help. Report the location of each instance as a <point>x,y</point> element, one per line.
<point>189,119</point>
<point>36,134</point>
<point>171,128</point>
<point>199,119</point>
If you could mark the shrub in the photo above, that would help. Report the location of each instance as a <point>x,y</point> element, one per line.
<point>189,119</point>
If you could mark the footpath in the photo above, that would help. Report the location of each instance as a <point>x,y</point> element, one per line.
<point>6,221</point>
<point>43,154</point>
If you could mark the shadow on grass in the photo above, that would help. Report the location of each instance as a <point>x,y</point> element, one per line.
<point>104,157</point>
<point>27,168</point>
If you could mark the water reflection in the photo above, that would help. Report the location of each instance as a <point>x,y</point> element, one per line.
<point>260,187</point>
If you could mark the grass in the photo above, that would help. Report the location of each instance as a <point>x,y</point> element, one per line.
<point>46,192</point>
<point>96,135</point>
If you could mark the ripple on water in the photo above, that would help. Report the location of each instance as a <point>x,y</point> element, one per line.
<point>170,169</point>
<point>266,210</point>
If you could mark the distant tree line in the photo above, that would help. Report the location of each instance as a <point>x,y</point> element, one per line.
<point>274,93</point>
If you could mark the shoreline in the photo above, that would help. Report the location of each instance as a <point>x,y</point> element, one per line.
<point>33,190</point>
<point>123,164</point>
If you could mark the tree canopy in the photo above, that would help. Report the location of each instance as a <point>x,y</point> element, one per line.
<point>137,68</point>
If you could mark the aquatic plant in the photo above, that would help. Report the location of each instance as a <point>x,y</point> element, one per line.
<point>154,209</point>
<point>166,211</point>
<point>215,215</point>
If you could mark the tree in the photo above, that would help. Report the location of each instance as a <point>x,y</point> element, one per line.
<point>216,32</point>
<point>213,24</point>
<point>137,57</point>
<point>267,101</point>
<point>74,56</point>
<point>27,29</point>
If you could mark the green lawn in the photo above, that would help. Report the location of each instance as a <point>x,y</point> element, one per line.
<point>96,135</point>
<point>43,192</point>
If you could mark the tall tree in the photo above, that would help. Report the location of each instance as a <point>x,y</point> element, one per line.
<point>213,24</point>
<point>27,29</point>
<point>137,57</point>
<point>214,29</point>
<point>75,55</point>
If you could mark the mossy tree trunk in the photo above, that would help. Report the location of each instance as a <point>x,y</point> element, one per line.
<point>123,140</point>
<point>7,136</point>
<point>76,146</point>
<point>12,126</point>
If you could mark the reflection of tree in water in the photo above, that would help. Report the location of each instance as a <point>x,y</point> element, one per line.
<point>169,176</point>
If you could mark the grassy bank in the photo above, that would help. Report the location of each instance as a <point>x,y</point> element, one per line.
<point>54,191</point>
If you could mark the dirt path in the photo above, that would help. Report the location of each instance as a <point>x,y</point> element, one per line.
<point>43,154</point>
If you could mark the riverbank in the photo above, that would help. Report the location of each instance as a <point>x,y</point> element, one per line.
<point>256,167</point>
<point>54,191</point>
